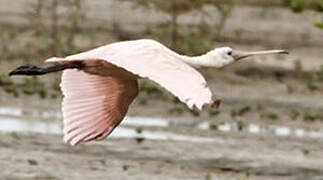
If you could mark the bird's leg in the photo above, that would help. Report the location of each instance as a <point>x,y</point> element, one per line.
<point>216,103</point>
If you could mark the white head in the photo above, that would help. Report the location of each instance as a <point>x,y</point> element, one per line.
<point>220,57</point>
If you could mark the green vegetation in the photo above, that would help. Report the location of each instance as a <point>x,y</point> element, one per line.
<point>319,74</point>
<point>6,35</point>
<point>311,80</point>
<point>176,109</point>
<point>8,85</point>
<point>310,116</point>
<point>215,125</point>
<point>290,88</point>
<point>32,162</point>
<point>295,5</point>
<point>140,140</point>
<point>47,35</point>
<point>251,72</point>
<point>298,66</point>
<point>139,130</point>
<point>306,152</point>
<point>171,29</point>
<point>241,125</point>
<point>298,6</point>
<point>150,90</point>
<point>29,86</point>
<point>269,115</point>
<point>260,107</point>
<point>213,112</point>
<point>314,80</point>
<point>240,112</point>
<point>54,38</point>
<point>293,114</point>
<point>311,85</point>
<point>208,176</point>
<point>125,167</point>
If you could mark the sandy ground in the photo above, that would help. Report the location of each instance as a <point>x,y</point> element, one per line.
<point>236,156</point>
<point>25,156</point>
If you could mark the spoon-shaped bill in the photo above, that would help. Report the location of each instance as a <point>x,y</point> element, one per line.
<point>241,54</point>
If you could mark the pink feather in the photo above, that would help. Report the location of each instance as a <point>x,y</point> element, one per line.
<point>93,105</point>
<point>97,98</point>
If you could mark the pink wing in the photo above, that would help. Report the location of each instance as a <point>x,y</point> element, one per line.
<point>150,59</point>
<point>94,105</point>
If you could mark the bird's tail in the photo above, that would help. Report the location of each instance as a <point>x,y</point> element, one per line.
<point>30,70</point>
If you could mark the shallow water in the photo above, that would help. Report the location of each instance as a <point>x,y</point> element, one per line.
<point>268,129</point>
<point>49,114</point>
<point>12,120</point>
<point>18,125</point>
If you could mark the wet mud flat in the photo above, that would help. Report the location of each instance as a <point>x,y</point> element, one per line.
<point>156,148</point>
<point>40,156</point>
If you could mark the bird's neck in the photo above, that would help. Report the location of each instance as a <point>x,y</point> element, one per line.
<point>205,60</point>
<point>194,61</point>
<point>210,59</point>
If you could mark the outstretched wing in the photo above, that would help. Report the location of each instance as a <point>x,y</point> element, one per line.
<point>94,105</point>
<point>150,59</point>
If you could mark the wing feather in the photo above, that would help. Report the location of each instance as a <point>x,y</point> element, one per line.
<point>150,59</point>
<point>93,105</point>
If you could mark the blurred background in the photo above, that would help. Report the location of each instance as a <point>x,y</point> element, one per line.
<point>269,125</point>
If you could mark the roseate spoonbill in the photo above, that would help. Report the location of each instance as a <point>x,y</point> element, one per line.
<point>98,85</point>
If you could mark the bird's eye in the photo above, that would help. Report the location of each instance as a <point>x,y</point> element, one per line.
<point>230,53</point>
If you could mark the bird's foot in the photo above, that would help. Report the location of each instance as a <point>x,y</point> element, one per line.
<point>216,103</point>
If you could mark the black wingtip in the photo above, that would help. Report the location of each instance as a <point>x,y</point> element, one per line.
<point>27,70</point>
<point>30,70</point>
<point>15,72</point>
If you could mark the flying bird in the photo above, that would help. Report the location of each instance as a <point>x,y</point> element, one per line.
<point>99,85</point>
